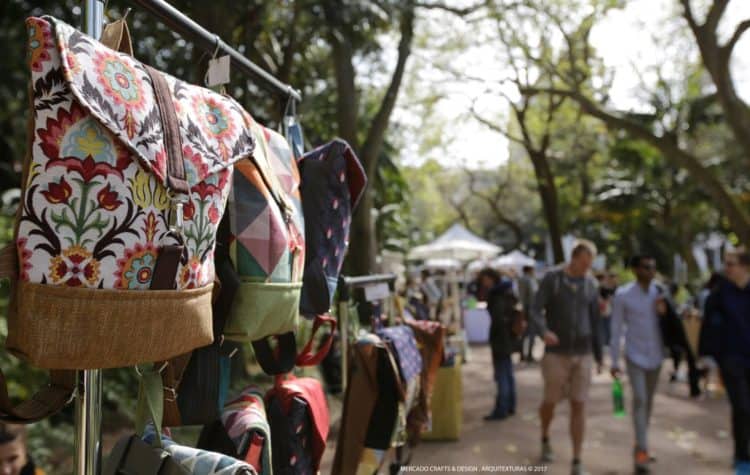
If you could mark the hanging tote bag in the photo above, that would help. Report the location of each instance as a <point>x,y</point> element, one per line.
<point>268,250</point>
<point>332,183</point>
<point>122,194</point>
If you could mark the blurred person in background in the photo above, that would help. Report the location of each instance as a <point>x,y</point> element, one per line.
<point>502,303</point>
<point>566,315</point>
<point>725,336</point>
<point>634,315</point>
<point>14,456</point>
<point>527,287</point>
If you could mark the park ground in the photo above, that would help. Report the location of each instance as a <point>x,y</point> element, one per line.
<point>688,437</point>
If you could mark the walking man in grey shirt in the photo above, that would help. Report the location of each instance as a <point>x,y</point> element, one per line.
<point>635,313</point>
<point>566,315</point>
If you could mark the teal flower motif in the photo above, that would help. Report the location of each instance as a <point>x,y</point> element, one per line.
<point>120,80</point>
<point>214,117</point>
<point>140,272</point>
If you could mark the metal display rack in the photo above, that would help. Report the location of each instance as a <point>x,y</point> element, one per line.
<point>88,408</point>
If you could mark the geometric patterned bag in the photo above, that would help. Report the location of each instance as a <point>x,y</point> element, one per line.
<point>125,184</point>
<point>268,250</point>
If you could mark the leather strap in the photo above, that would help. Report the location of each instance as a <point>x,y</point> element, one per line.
<point>282,360</point>
<point>170,132</point>
<point>116,36</point>
<point>171,377</point>
<point>306,357</point>
<point>165,269</point>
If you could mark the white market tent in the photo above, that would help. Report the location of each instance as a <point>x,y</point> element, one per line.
<point>456,243</point>
<point>514,260</point>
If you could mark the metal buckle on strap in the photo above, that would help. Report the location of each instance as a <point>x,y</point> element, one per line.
<point>177,214</point>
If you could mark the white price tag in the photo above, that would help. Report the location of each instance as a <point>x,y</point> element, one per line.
<point>218,71</point>
<point>377,292</point>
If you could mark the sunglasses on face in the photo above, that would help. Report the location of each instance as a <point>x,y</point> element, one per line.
<point>648,266</point>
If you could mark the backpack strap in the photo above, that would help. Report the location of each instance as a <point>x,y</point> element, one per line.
<point>280,361</point>
<point>306,357</point>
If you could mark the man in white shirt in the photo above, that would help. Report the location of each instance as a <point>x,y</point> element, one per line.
<point>635,312</point>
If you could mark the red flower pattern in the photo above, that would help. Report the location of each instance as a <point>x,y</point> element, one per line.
<point>213,214</point>
<point>188,210</point>
<point>58,192</point>
<point>108,199</point>
<point>88,168</point>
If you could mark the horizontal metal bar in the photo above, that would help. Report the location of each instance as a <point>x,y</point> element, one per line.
<point>210,42</point>
<point>361,281</point>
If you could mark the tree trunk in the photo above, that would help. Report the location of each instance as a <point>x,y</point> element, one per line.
<point>548,193</point>
<point>363,250</point>
<point>361,257</point>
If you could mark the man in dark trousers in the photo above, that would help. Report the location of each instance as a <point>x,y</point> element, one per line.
<point>566,315</point>
<point>502,305</point>
<point>725,336</point>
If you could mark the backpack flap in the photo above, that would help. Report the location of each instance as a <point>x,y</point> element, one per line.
<point>128,166</point>
<point>286,390</point>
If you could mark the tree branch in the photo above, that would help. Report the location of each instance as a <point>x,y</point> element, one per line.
<point>737,214</point>
<point>738,32</point>
<point>455,10</point>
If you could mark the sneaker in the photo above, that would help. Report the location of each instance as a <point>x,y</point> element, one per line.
<point>577,469</point>
<point>642,460</point>
<point>547,454</point>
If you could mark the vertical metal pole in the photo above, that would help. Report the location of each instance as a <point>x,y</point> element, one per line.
<point>344,333</point>
<point>88,415</point>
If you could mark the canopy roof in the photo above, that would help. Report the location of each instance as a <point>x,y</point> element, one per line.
<point>456,243</point>
<point>515,259</point>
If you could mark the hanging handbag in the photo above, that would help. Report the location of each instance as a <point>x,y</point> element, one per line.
<point>267,248</point>
<point>299,420</point>
<point>333,181</point>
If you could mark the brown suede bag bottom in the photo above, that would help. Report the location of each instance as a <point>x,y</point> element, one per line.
<point>57,327</point>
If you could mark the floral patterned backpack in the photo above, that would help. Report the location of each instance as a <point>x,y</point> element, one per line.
<point>124,185</point>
